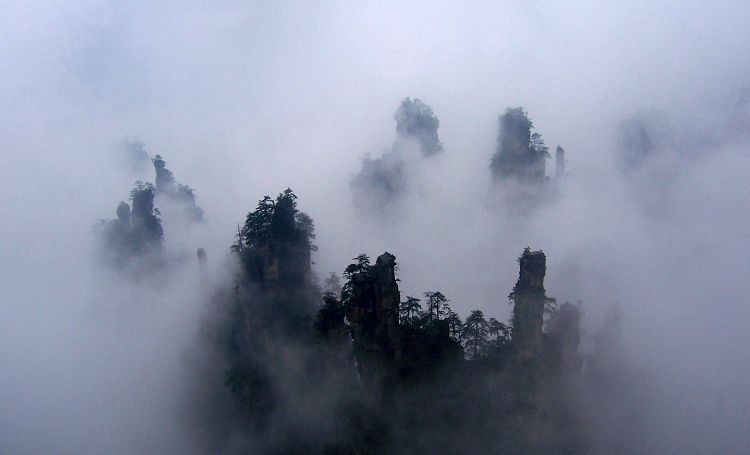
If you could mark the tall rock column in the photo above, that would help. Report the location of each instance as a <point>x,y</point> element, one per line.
<point>528,310</point>
<point>373,316</point>
<point>560,164</point>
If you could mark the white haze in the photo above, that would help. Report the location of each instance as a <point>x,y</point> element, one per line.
<point>246,100</point>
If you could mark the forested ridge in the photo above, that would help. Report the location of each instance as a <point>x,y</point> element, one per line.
<point>391,373</point>
<point>352,365</point>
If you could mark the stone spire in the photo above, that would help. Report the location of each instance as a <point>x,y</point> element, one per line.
<point>560,164</point>
<point>528,310</point>
<point>373,315</point>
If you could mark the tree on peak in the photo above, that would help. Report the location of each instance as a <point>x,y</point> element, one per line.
<point>284,218</point>
<point>275,242</point>
<point>359,267</point>
<point>257,228</point>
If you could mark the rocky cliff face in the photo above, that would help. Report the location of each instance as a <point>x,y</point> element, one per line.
<point>373,316</point>
<point>528,310</point>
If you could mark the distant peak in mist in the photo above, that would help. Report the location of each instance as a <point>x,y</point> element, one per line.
<point>415,120</point>
<point>134,241</point>
<point>382,182</point>
<point>521,153</point>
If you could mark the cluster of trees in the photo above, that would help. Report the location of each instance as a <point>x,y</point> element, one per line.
<point>355,369</point>
<point>432,352</point>
<point>477,335</point>
<point>275,243</point>
<point>270,308</point>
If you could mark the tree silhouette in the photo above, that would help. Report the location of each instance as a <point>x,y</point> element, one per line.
<point>257,229</point>
<point>410,311</point>
<point>475,334</point>
<point>498,332</point>
<point>455,325</point>
<point>361,268</point>
<point>436,303</point>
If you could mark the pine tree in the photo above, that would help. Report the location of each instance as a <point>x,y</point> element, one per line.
<point>436,303</point>
<point>410,311</point>
<point>475,334</point>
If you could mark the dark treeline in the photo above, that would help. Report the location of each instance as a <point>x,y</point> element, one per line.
<point>356,369</point>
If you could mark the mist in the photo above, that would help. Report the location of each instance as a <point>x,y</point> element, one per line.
<point>649,100</point>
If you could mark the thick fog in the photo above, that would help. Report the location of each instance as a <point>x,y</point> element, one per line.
<point>651,101</point>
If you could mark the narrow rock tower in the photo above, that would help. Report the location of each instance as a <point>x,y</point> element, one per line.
<point>560,164</point>
<point>528,310</point>
<point>373,316</point>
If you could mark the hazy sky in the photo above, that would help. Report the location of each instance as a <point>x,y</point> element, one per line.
<point>244,100</point>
